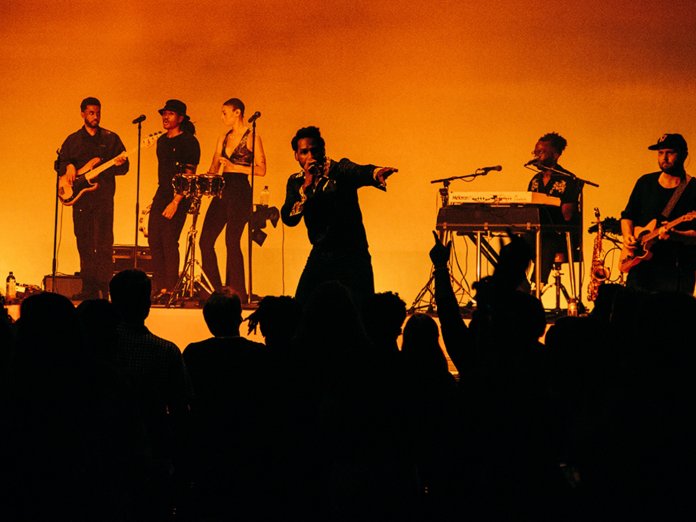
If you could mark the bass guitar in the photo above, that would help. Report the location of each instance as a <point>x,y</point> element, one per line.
<point>645,239</point>
<point>69,193</point>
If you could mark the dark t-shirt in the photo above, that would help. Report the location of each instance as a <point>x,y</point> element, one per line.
<point>173,155</point>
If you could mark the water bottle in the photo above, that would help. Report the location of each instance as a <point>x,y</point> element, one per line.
<point>264,197</point>
<point>10,288</point>
<point>572,308</point>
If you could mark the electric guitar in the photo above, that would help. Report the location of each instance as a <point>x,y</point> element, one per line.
<point>646,237</point>
<point>69,193</point>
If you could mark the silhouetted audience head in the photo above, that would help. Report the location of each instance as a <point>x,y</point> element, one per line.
<point>607,296</point>
<point>384,314</point>
<point>510,273</point>
<point>663,330</point>
<point>520,317</point>
<point>513,262</point>
<point>421,344</point>
<point>277,317</point>
<point>98,320</point>
<point>48,326</point>
<point>130,294</point>
<point>223,314</point>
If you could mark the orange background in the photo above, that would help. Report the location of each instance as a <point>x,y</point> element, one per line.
<point>435,88</point>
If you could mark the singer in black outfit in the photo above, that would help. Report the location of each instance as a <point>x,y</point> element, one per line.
<point>93,212</point>
<point>561,184</point>
<point>178,152</point>
<point>325,193</point>
<point>233,157</point>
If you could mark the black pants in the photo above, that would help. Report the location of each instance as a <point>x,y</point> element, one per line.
<point>230,211</point>
<point>662,275</point>
<point>164,242</point>
<point>94,229</point>
<point>354,270</point>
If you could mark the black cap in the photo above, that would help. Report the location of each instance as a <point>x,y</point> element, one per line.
<point>175,106</point>
<point>670,141</point>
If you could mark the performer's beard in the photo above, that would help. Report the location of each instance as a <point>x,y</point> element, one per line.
<point>676,169</point>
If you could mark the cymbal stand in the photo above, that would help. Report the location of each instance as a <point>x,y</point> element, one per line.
<point>187,288</point>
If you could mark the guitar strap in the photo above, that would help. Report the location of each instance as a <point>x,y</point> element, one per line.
<point>669,207</point>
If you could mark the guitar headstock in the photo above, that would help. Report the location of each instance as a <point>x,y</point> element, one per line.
<point>151,139</point>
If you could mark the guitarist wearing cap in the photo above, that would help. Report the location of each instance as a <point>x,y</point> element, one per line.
<point>659,224</point>
<point>93,211</point>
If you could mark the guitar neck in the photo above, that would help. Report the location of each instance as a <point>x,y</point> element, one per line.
<point>147,142</point>
<point>91,174</point>
<point>668,226</point>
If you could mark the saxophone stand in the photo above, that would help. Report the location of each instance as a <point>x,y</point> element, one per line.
<point>189,292</point>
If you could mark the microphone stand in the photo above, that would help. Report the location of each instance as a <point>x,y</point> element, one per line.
<point>476,174</point>
<point>251,208</point>
<point>54,265</point>
<point>425,300</point>
<point>562,172</point>
<point>137,194</point>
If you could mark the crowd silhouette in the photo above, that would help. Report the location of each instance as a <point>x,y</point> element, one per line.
<point>333,419</point>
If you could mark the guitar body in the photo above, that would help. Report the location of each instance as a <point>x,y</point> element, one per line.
<point>69,194</point>
<point>631,257</point>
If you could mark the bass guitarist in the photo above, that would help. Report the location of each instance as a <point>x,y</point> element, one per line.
<point>656,198</point>
<point>93,212</point>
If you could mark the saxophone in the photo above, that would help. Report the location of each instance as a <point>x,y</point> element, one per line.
<point>599,273</point>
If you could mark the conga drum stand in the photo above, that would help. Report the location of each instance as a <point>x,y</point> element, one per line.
<point>188,288</point>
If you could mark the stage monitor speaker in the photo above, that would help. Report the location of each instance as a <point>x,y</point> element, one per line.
<point>66,285</point>
<point>123,258</point>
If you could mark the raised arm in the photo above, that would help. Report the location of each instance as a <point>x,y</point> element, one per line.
<point>455,333</point>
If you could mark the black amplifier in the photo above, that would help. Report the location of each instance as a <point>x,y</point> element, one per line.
<point>123,258</point>
<point>67,285</point>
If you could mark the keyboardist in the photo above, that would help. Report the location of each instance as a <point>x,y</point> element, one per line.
<point>554,180</point>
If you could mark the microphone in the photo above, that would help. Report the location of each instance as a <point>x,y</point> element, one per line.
<point>254,117</point>
<point>316,169</point>
<point>534,162</point>
<point>494,167</point>
<point>139,119</point>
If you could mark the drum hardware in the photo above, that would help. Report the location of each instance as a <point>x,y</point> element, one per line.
<point>188,289</point>
<point>210,185</point>
<point>197,185</point>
